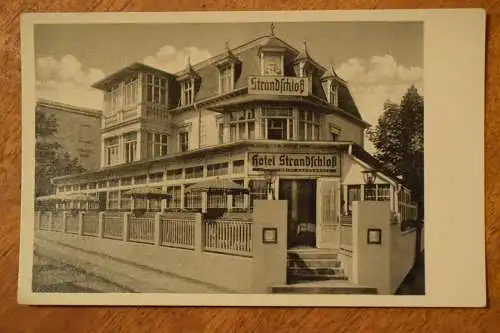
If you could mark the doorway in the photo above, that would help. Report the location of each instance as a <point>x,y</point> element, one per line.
<point>301,197</point>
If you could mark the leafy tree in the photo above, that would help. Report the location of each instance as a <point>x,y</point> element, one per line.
<point>399,141</point>
<point>50,158</point>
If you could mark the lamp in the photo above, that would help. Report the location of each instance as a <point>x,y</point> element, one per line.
<point>369,176</point>
<point>269,177</point>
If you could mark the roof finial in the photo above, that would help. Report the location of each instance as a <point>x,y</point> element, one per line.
<point>272,28</point>
<point>226,45</point>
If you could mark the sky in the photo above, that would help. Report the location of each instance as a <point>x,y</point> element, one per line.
<point>379,60</point>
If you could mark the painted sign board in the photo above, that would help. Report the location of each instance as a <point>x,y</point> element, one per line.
<point>295,162</point>
<point>278,85</point>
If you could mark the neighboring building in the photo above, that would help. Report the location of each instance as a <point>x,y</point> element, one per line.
<point>79,131</point>
<point>261,113</point>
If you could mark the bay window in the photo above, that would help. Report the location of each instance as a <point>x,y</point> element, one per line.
<point>111,151</point>
<point>131,89</point>
<point>377,192</point>
<point>277,122</point>
<point>156,89</point>
<point>308,125</point>
<point>130,147</point>
<point>242,125</point>
<point>218,169</point>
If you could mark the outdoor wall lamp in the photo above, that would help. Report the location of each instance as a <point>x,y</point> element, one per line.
<point>369,176</point>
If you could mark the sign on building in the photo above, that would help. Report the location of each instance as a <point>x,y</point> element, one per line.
<point>278,85</point>
<point>295,162</point>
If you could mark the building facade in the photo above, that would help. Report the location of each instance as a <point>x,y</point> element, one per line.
<point>263,114</point>
<point>78,132</point>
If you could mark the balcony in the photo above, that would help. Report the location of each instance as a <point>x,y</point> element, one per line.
<point>148,111</point>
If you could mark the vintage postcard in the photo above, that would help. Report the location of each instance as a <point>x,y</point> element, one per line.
<point>315,158</point>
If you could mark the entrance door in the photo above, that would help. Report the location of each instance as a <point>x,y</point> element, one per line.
<point>102,200</point>
<point>328,209</point>
<point>301,197</point>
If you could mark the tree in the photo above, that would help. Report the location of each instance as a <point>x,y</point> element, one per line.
<point>50,158</point>
<point>398,138</point>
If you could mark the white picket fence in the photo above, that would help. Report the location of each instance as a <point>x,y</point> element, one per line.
<point>230,236</point>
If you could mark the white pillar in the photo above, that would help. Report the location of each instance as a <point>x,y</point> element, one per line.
<point>126,224</point>
<point>158,229</point>
<point>100,230</point>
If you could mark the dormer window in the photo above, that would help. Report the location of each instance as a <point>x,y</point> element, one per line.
<point>226,83</point>
<point>272,63</point>
<point>188,92</point>
<point>227,68</point>
<point>334,94</point>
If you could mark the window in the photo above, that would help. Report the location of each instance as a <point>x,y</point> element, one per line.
<point>131,92</point>
<point>113,99</point>
<point>155,204</point>
<point>353,194</point>
<point>192,200</point>
<point>217,169</point>
<point>242,125</point>
<point>239,199</point>
<point>334,94</point>
<point>127,181</point>
<point>156,87</point>
<point>114,182</point>
<point>187,92</point>
<point>102,184</point>
<point>111,151</point>
<point>258,190</point>
<point>273,63</point>
<point>377,192</point>
<point>60,188</point>
<point>217,200</point>
<point>156,177</point>
<point>67,188</point>
<point>83,187</point>
<point>194,172</point>
<point>141,179</point>
<point>183,141</point>
<point>226,78</point>
<point>130,147</point>
<point>175,191</point>
<point>125,201</point>
<point>113,202</point>
<point>308,125</point>
<point>160,145</point>
<point>221,133</point>
<point>92,186</point>
<point>238,167</point>
<point>174,174</point>
<point>278,122</point>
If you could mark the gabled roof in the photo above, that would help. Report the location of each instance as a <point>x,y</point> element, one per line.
<point>188,71</point>
<point>303,54</point>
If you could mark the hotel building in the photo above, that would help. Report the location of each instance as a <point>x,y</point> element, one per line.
<point>263,114</point>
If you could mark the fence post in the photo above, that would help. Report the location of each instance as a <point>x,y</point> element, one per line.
<point>199,233</point>
<point>100,230</point>
<point>80,223</point>
<point>50,220</point>
<point>126,225</point>
<point>64,221</point>
<point>158,229</point>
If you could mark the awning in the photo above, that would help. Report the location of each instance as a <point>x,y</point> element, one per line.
<point>79,197</point>
<point>217,186</point>
<point>51,197</point>
<point>147,192</point>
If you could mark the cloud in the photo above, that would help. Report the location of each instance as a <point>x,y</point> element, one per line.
<point>172,60</point>
<point>376,80</point>
<point>65,80</point>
